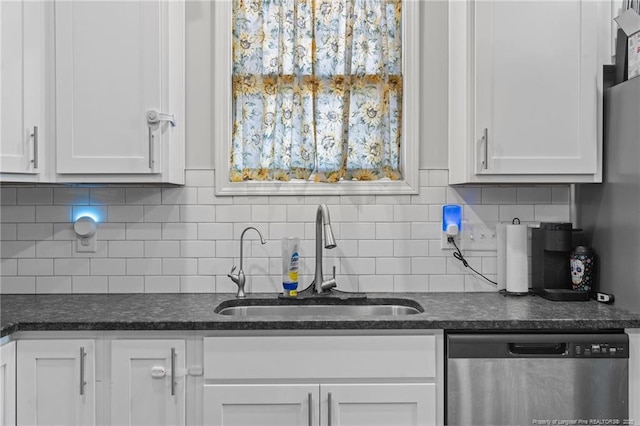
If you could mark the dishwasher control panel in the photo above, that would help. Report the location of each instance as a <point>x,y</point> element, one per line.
<point>600,350</point>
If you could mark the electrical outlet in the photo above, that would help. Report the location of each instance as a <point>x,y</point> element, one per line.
<point>479,236</point>
<point>446,245</point>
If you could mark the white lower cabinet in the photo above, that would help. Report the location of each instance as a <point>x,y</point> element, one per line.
<point>371,404</point>
<point>265,405</point>
<point>323,380</point>
<point>8,384</point>
<point>56,382</point>
<point>147,382</point>
<point>379,404</point>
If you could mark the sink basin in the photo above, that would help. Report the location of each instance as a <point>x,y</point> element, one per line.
<point>319,307</point>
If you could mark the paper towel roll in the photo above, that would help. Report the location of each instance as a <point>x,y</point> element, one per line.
<point>501,236</point>
<point>516,263</point>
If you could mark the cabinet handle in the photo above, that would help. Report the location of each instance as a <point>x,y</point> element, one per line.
<point>485,139</point>
<point>34,135</point>
<point>173,371</point>
<point>151,152</point>
<point>329,410</point>
<point>309,402</point>
<point>82,382</point>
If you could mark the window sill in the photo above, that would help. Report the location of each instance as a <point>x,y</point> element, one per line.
<point>302,188</point>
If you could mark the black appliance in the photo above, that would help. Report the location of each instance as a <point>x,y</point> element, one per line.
<point>551,246</point>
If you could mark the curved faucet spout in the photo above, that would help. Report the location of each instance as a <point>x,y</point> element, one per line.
<point>239,278</point>
<point>323,218</point>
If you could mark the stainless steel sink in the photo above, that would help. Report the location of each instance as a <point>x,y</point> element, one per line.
<point>267,307</point>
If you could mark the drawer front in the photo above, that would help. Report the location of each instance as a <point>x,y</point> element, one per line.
<point>326,357</point>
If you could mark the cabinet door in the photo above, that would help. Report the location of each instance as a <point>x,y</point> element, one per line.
<point>264,405</point>
<point>142,392</point>
<point>57,382</point>
<point>22,73</point>
<point>110,57</point>
<point>536,94</point>
<point>8,384</point>
<point>379,404</point>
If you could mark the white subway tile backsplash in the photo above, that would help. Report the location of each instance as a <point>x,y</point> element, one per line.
<point>34,196</point>
<point>35,267</point>
<point>410,248</point>
<point>534,195</point>
<point>185,239</point>
<point>53,249</point>
<point>182,195</point>
<point>522,212</point>
<point>84,284</point>
<point>108,266</point>
<point>375,283</point>
<point>429,265</point>
<point>53,285</point>
<point>74,196</point>
<point>144,195</point>
<point>35,231</point>
<point>126,284</point>
<point>162,248</point>
<point>197,248</point>
<point>143,231</point>
<point>52,214</point>
<point>215,231</point>
<point>125,213</point>
<point>161,284</point>
<point>393,265</point>
<point>196,213</point>
<point>106,196</point>
<point>197,284</point>
<point>8,231</point>
<point>375,213</point>
<point>8,267</point>
<point>179,231</point>
<point>71,266</point>
<point>126,248</point>
<point>179,266</point>
<point>18,285</point>
<point>375,248</point>
<point>499,195</point>
<point>144,266</point>
<point>162,213</point>
<point>393,231</point>
<point>552,213</point>
<point>241,213</point>
<point>410,213</point>
<point>8,196</point>
<point>10,213</point>
<point>412,283</point>
<point>438,283</point>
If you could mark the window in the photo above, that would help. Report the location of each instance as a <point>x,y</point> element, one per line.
<point>288,116</point>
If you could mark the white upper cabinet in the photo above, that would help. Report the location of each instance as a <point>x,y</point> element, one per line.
<point>525,91</point>
<point>117,64</point>
<point>22,90</point>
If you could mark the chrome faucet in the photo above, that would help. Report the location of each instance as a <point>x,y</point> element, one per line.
<point>239,278</point>
<point>322,217</point>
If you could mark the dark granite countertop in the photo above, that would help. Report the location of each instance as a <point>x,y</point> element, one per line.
<point>459,311</point>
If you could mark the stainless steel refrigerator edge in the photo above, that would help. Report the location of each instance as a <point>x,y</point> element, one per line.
<point>610,211</point>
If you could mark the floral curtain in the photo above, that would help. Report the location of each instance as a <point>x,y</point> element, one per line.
<point>317,89</point>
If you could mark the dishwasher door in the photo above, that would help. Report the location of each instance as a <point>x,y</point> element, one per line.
<point>528,379</point>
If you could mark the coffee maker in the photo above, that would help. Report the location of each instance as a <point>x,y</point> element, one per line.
<point>550,250</point>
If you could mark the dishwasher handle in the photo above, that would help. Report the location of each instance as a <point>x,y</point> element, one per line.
<point>538,348</point>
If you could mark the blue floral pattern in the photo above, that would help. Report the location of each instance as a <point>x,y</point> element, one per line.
<point>317,90</point>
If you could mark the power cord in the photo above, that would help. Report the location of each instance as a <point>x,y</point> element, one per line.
<point>458,255</point>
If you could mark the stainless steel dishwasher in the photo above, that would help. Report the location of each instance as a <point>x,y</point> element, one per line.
<point>529,379</point>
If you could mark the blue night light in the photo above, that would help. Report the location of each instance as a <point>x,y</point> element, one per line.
<point>86,212</point>
<point>451,218</point>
